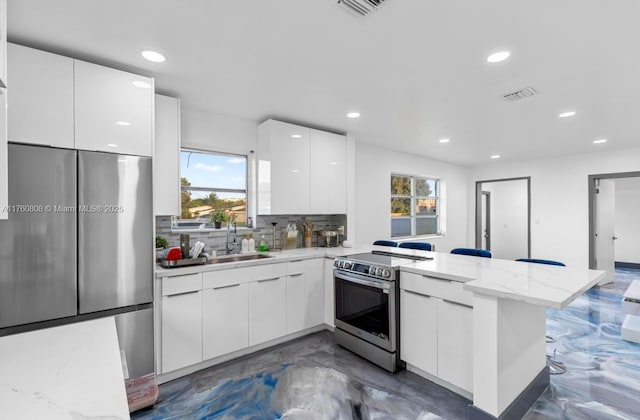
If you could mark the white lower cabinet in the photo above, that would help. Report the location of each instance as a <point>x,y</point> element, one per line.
<point>419,331</point>
<point>437,331</point>
<point>455,344</point>
<point>181,330</point>
<point>329,293</point>
<point>225,319</point>
<point>305,296</point>
<point>267,309</point>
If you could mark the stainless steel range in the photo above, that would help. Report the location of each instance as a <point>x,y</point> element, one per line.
<point>367,297</point>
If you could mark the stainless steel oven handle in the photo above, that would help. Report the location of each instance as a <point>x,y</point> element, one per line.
<point>355,278</point>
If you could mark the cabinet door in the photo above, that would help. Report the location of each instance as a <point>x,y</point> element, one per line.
<point>329,294</point>
<point>166,157</point>
<point>455,344</point>
<point>225,321</point>
<point>3,43</point>
<point>181,330</point>
<point>41,101</point>
<point>112,113</point>
<point>419,326</point>
<point>314,292</point>
<point>296,303</point>
<point>283,168</point>
<point>267,310</point>
<point>4,151</point>
<point>328,172</point>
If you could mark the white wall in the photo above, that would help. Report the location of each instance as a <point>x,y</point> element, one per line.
<point>627,225</point>
<point>373,168</point>
<point>508,218</point>
<point>217,132</point>
<point>559,199</point>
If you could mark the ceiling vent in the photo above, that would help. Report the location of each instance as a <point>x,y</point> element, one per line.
<point>361,7</point>
<point>520,94</point>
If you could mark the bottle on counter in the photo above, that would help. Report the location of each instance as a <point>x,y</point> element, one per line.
<point>263,245</point>
<point>252,243</point>
<point>244,245</point>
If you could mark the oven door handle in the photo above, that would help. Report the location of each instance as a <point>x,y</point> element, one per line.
<point>355,278</point>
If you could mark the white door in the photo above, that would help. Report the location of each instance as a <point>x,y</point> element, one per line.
<point>605,210</point>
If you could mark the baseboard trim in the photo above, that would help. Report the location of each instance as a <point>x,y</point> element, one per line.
<point>521,404</point>
<point>633,266</point>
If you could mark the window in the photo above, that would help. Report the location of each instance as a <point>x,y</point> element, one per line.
<point>212,183</point>
<point>414,206</point>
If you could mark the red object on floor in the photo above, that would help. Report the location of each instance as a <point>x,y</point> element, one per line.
<point>142,391</point>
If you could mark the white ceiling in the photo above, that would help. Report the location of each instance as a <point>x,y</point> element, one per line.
<point>415,69</point>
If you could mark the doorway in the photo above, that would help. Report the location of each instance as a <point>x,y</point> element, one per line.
<point>608,223</point>
<point>503,215</point>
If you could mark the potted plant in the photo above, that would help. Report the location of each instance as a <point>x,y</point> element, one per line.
<point>217,217</point>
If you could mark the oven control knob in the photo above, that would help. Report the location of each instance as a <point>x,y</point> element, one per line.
<point>336,263</point>
<point>347,265</point>
<point>372,270</point>
<point>386,274</point>
<point>379,272</point>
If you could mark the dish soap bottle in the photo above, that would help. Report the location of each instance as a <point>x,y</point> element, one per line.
<point>263,245</point>
<point>252,244</point>
<point>244,247</point>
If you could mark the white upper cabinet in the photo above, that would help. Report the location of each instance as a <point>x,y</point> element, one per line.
<point>41,102</point>
<point>328,172</point>
<point>294,164</point>
<point>4,181</point>
<point>166,157</point>
<point>112,112</point>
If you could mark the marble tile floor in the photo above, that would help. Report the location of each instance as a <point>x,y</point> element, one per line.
<point>313,378</point>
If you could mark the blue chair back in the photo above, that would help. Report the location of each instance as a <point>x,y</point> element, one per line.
<point>424,246</point>
<point>473,252</point>
<point>386,243</point>
<point>537,261</point>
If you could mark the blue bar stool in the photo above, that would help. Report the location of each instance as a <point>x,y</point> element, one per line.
<point>423,246</point>
<point>537,261</point>
<point>386,243</point>
<point>472,251</point>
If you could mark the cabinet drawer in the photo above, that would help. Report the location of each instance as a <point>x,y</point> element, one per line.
<point>295,267</point>
<point>181,284</point>
<point>432,286</point>
<point>243,275</point>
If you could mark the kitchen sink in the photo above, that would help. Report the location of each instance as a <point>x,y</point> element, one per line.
<point>236,257</point>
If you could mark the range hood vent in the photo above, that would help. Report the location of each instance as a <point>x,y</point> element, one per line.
<point>361,7</point>
<point>519,94</point>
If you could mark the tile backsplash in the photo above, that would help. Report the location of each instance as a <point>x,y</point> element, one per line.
<point>216,239</point>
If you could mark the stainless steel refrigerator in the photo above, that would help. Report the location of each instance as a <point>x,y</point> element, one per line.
<point>78,245</point>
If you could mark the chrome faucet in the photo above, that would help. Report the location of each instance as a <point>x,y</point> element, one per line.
<point>229,248</point>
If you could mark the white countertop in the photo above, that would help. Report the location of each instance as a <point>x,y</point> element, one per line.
<point>537,284</point>
<point>277,257</point>
<point>68,372</point>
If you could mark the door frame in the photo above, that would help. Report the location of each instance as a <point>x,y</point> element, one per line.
<point>478,228</point>
<point>592,207</point>
<point>487,219</point>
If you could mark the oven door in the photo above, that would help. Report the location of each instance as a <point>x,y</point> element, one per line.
<point>365,307</point>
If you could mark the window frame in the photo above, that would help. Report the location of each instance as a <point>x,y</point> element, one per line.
<point>413,205</point>
<point>212,189</point>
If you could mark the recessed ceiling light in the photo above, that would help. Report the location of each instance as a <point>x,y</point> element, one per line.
<point>599,141</point>
<point>141,84</point>
<point>444,140</point>
<point>495,156</point>
<point>112,145</point>
<point>295,171</point>
<point>567,114</point>
<point>333,163</point>
<point>296,136</point>
<point>154,56</point>
<point>498,56</point>
<point>353,115</point>
<point>123,123</point>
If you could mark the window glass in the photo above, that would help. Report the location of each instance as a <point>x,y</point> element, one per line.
<point>414,206</point>
<point>212,183</point>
